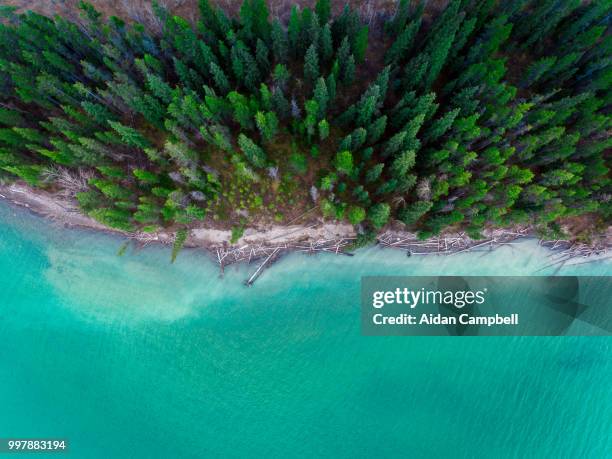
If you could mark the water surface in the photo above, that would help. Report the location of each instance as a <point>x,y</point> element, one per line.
<point>133,357</point>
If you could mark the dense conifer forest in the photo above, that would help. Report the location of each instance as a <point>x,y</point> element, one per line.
<point>488,113</point>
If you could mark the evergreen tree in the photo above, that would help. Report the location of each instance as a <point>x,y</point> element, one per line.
<point>281,75</point>
<point>221,81</point>
<point>356,215</point>
<point>323,129</point>
<point>411,214</point>
<point>311,64</point>
<point>348,75</point>
<point>459,145</point>
<point>402,163</point>
<point>344,162</point>
<point>361,44</point>
<point>377,129</point>
<point>537,69</point>
<point>374,173</point>
<point>261,55</point>
<point>252,152</point>
<point>323,9</point>
<point>267,123</point>
<point>294,31</point>
<point>129,135</point>
<point>379,215</point>
<point>326,46</point>
<point>321,96</point>
<point>280,104</point>
<point>403,44</point>
<point>280,44</point>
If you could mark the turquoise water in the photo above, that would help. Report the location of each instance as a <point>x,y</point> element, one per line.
<point>134,357</point>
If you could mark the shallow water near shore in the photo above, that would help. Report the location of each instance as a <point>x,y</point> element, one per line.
<point>134,357</point>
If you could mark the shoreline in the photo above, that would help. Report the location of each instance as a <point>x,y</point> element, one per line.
<point>271,242</point>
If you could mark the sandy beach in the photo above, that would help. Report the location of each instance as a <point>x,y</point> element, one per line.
<point>271,241</point>
<point>68,214</point>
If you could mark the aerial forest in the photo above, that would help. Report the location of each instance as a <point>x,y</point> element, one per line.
<point>481,114</point>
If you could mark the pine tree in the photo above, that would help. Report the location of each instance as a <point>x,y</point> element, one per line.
<point>374,173</point>
<point>348,75</point>
<point>261,55</point>
<point>358,138</point>
<point>379,215</point>
<point>537,69</point>
<point>129,135</point>
<point>326,46</point>
<point>394,144</point>
<point>310,121</point>
<point>281,75</point>
<point>311,64</point>
<point>398,22</point>
<point>280,45</point>
<point>440,126</point>
<point>343,55</point>
<point>403,44</point>
<point>361,44</point>
<point>411,214</point>
<point>267,123</point>
<point>280,104</point>
<point>254,20</point>
<point>209,16</point>
<point>367,106</point>
<point>323,9</point>
<point>294,31</point>
<point>310,29</point>
<point>323,129</point>
<point>241,111</point>
<point>356,215</point>
<point>344,162</point>
<point>402,163</point>
<point>377,129</point>
<point>253,153</point>
<point>221,81</point>
<point>330,82</point>
<point>252,76</point>
<point>321,96</point>
<point>265,97</point>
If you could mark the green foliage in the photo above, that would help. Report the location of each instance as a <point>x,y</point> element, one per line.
<point>356,215</point>
<point>280,44</point>
<point>362,240</point>
<point>311,64</point>
<point>323,129</point>
<point>379,214</point>
<point>267,123</point>
<point>298,162</point>
<point>321,96</point>
<point>344,162</point>
<point>485,113</point>
<point>411,214</point>
<point>130,135</point>
<point>237,232</point>
<point>253,153</point>
<point>113,218</point>
<point>374,173</point>
<point>323,9</point>
<point>145,176</point>
<point>179,242</point>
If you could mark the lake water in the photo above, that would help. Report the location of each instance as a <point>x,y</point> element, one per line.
<point>134,357</point>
